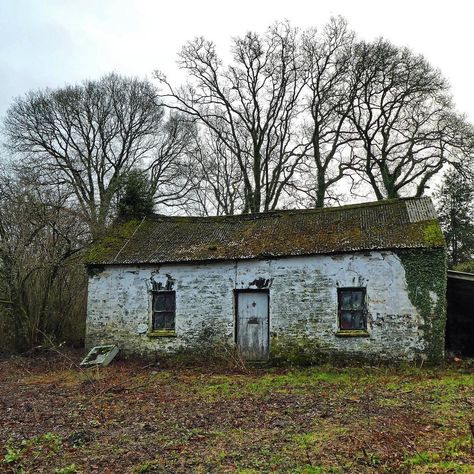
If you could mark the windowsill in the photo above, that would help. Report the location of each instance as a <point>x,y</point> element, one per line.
<point>162,333</point>
<point>352,333</point>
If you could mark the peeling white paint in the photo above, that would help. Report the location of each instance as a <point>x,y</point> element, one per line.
<point>303,303</point>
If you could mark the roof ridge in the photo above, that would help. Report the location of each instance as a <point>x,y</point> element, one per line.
<point>318,210</point>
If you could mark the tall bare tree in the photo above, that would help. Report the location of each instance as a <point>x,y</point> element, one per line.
<point>88,136</point>
<point>250,106</point>
<point>404,119</point>
<point>328,98</point>
<point>170,165</point>
<point>218,185</point>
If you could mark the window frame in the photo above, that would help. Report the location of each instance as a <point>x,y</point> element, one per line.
<point>168,331</point>
<point>340,309</point>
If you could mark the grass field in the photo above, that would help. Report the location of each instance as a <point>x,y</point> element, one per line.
<point>127,418</point>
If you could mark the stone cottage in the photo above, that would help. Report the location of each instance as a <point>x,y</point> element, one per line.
<point>365,281</point>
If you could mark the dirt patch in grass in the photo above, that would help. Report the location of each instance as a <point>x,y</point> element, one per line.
<point>130,418</point>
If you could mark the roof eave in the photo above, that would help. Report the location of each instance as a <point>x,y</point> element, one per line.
<point>264,256</point>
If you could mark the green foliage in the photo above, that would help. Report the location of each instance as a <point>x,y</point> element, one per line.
<point>12,455</point>
<point>308,469</point>
<point>433,235</point>
<point>70,469</point>
<point>43,445</point>
<point>447,460</point>
<point>420,458</point>
<point>136,200</point>
<point>147,467</point>
<point>456,215</point>
<point>467,267</point>
<point>425,271</point>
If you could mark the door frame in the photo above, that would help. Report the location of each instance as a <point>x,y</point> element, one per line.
<point>236,310</point>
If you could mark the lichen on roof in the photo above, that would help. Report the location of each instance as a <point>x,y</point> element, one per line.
<point>106,248</point>
<point>401,223</point>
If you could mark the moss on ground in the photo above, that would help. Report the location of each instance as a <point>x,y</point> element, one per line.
<point>139,419</point>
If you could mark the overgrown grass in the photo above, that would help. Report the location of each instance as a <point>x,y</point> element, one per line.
<point>130,418</point>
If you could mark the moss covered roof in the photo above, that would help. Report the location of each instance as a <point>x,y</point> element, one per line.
<point>401,223</point>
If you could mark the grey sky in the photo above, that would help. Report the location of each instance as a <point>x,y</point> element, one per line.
<point>53,42</point>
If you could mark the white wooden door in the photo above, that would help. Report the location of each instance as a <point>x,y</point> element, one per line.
<point>252,325</point>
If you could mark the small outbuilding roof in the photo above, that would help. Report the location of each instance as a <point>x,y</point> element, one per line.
<point>392,224</point>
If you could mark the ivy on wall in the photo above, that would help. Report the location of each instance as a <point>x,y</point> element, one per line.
<point>426,276</point>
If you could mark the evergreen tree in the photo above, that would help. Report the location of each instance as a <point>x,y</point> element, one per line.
<point>136,199</point>
<point>456,215</point>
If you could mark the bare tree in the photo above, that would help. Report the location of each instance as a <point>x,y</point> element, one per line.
<point>170,166</point>
<point>328,97</point>
<point>404,119</point>
<point>88,136</point>
<point>250,106</point>
<point>218,185</point>
<point>40,237</point>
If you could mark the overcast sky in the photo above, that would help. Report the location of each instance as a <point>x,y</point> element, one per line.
<point>53,42</point>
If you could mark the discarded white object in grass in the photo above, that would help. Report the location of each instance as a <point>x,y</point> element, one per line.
<point>142,328</point>
<point>100,355</point>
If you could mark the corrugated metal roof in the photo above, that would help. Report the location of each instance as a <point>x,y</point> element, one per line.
<point>401,223</point>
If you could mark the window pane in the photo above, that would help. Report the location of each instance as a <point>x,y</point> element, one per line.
<point>168,320</point>
<point>345,299</point>
<point>163,320</point>
<point>346,320</point>
<point>357,299</point>
<point>169,302</point>
<point>358,320</point>
<point>352,320</point>
<point>159,301</point>
<point>164,301</point>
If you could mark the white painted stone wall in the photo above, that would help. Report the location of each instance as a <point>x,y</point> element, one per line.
<point>303,304</point>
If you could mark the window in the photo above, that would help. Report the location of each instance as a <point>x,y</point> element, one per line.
<point>352,310</point>
<point>164,309</point>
